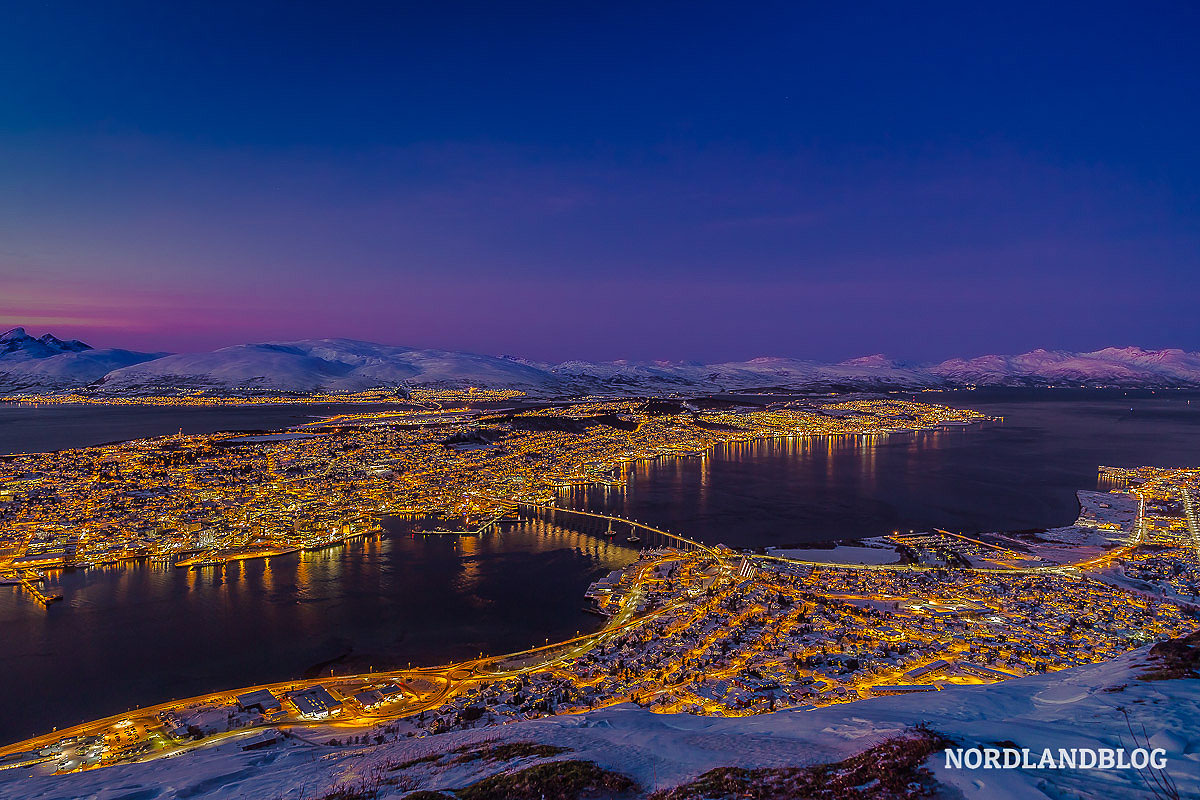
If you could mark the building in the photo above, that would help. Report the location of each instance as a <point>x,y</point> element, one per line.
<point>369,699</point>
<point>931,667</point>
<point>985,672</point>
<point>261,701</point>
<point>373,698</point>
<point>261,741</point>
<point>316,703</point>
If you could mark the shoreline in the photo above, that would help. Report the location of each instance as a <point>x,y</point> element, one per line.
<point>377,517</point>
<point>457,676</point>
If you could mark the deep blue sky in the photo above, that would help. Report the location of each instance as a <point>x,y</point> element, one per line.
<point>604,180</point>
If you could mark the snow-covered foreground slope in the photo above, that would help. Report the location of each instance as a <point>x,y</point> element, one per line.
<point>1077,708</point>
<point>29,365</point>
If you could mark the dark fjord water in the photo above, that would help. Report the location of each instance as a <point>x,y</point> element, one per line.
<point>1012,475</point>
<point>29,428</point>
<point>144,633</point>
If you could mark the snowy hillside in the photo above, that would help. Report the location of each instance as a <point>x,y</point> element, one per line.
<point>1077,708</point>
<point>344,365</point>
<point>17,345</point>
<point>331,365</point>
<point>1127,367</point>
<point>50,364</point>
<point>871,373</point>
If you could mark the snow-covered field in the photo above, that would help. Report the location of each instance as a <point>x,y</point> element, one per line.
<point>1077,708</point>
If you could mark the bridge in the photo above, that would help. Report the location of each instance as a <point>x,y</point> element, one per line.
<point>1193,523</point>
<point>682,542</point>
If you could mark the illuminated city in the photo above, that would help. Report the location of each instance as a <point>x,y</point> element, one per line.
<point>690,627</point>
<point>205,500</point>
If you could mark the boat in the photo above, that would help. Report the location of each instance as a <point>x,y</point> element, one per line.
<point>633,537</point>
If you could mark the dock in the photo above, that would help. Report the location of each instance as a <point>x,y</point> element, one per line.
<point>30,584</point>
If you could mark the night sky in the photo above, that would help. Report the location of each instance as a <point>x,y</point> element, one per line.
<point>604,180</point>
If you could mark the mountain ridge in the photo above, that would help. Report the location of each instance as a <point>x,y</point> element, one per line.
<point>48,364</point>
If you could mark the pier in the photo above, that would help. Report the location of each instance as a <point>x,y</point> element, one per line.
<point>30,582</point>
<point>487,524</point>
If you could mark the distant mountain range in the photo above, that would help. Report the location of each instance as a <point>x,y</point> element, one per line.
<point>47,365</point>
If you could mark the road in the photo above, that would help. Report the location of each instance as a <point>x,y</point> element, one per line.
<point>1066,570</point>
<point>447,681</point>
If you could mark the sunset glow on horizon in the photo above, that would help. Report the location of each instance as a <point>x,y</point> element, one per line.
<point>679,183</point>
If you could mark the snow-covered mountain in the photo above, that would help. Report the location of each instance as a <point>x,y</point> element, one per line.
<point>343,365</point>
<point>873,372</point>
<point>1128,366</point>
<point>1123,367</point>
<point>332,365</point>
<point>47,363</point>
<point>17,345</point>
